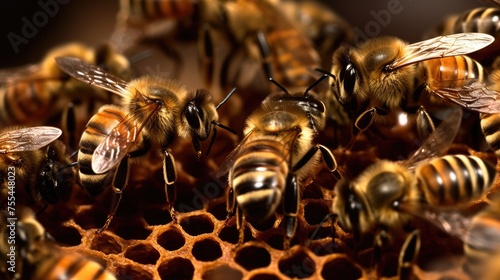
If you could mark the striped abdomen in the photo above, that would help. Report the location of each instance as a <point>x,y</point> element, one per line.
<point>482,20</point>
<point>159,9</point>
<point>453,71</point>
<point>24,102</point>
<point>71,266</point>
<point>490,125</point>
<point>258,178</point>
<point>454,179</point>
<point>98,128</point>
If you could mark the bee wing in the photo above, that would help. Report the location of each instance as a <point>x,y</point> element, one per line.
<point>228,162</point>
<point>442,46</point>
<point>92,75</point>
<point>474,96</point>
<point>438,142</point>
<point>28,139</point>
<point>451,221</point>
<point>121,138</point>
<point>19,74</point>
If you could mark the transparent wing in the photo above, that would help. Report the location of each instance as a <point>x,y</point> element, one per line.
<point>28,139</point>
<point>228,162</point>
<point>439,140</point>
<point>442,46</point>
<point>19,74</point>
<point>121,139</point>
<point>92,75</point>
<point>474,96</point>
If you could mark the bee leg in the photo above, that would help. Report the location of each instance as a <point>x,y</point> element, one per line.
<point>240,226</point>
<point>170,176</point>
<point>290,208</point>
<point>381,240</point>
<point>230,202</point>
<point>328,159</point>
<point>225,66</point>
<point>120,181</point>
<point>265,53</point>
<point>364,121</point>
<point>425,125</point>
<point>408,255</point>
<point>206,55</point>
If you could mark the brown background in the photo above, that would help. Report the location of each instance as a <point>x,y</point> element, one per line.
<point>92,21</point>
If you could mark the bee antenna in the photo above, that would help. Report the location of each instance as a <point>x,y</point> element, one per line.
<point>315,84</point>
<point>279,85</point>
<point>226,98</point>
<point>318,227</point>
<point>323,71</point>
<point>140,56</point>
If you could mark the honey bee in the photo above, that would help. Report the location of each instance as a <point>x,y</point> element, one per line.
<point>45,174</point>
<point>481,19</point>
<point>36,94</point>
<point>326,29</point>
<point>29,252</point>
<point>153,112</point>
<point>386,74</point>
<point>278,152</point>
<point>387,195</point>
<point>289,54</point>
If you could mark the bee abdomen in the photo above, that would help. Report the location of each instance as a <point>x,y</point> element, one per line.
<point>23,101</point>
<point>72,266</point>
<point>455,179</point>
<point>490,125</point>
<point>258,178</point>
<point>158,9</point>
<point>481,20</point>
<point>454,71</point>
<point>98,128</point>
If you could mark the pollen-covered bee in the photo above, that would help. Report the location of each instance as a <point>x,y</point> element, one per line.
<point>291,56</point>
<point>34,166</point>
<point>29,252</point>
<point>278,152</point>
<point>387,195</point>
<point>152,113</point>
<point>386,74</point>
<point>36,94</point>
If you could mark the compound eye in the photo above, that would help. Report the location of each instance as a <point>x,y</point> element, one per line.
<point>349,79</point>
<point>193,115</point>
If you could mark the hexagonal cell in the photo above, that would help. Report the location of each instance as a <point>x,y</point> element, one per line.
<point>105,243</point>
<point>264,276</point>
<point>252,257</point>
<point>90,218</point>
<point>157,216</point>
<point>171,239</point>
<point>325,248</point>
<point>206,250</point>
<point>315,212</point>
<point>132,272</point>
<point>340,268</point>
<point>297,265</point>
<point>218,210</point>
<point>196,225</point>
<point>230,234</point>
<point>131,230</point>
<point>222,272</point>
<point>65,235</point>
<point>176,269</point>
<point>142,253</point>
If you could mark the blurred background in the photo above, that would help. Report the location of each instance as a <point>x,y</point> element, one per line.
<point>92,22</point>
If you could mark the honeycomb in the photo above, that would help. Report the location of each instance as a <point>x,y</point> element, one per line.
<point>145,242</point>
